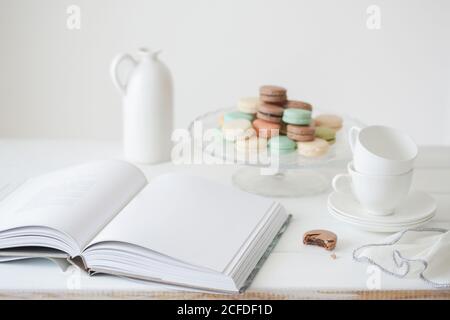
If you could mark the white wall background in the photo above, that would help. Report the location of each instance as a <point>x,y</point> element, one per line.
<point>55,82</point>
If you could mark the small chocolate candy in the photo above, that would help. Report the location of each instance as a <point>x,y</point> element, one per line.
<point>322,238</point>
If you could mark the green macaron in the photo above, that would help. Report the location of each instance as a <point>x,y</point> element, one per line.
<point>282,145</point>
<point>297,116</point>
<point>234,115</point>
<point>325,133</point>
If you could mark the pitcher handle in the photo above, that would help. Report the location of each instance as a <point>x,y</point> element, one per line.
<point>122,87</point>
<point>352,135</point>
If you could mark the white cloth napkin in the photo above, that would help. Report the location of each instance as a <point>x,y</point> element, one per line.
<point>414,253</point>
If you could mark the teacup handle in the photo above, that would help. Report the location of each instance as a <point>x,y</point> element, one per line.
<point>352,136</point>
<point>338,182</point>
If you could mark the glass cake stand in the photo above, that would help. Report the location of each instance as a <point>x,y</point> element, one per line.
<point>263,173</point>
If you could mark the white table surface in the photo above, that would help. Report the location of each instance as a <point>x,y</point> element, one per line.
<point>292,270</point>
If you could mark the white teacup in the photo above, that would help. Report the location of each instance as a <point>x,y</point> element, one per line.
<point>379,194</point>
<point>382,150</point>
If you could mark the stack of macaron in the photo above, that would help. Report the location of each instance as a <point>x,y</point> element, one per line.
<point>286,124</point>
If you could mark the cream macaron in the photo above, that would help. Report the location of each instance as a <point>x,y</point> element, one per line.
<point>313,149</point>
<point>248,104</point>
<point>221,120</point>
<point>252,144</point>
<point>329,120</point>
<point>237,129</point>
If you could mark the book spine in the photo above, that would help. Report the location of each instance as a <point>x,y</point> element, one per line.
<point>266,254</point>
<point>78,262</point>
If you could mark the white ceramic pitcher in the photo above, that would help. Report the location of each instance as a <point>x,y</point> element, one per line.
<point>147,107</point>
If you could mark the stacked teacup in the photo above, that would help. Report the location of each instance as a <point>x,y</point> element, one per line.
<point>381,172</point>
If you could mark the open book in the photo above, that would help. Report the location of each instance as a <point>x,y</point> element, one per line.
<point>177,229</point>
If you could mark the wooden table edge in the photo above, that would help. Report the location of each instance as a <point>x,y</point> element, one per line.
<point>249,295</point>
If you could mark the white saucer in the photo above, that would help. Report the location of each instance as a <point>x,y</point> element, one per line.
<point>357,221</point>
<point>376,227</point>
<point>417,209</point>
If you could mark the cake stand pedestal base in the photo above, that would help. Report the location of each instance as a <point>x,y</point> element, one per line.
<point>285,183</point>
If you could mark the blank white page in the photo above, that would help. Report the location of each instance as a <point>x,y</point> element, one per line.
<point>190,219</point>
<point>78,200</point>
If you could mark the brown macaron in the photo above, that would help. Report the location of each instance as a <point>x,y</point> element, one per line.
<point>283,129</point>
<point>300,133</point>
<point>322,238</point>
<point>273,94</point>
<point>270,112</point>
<point>298,105</point>
<point>266,129</point>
